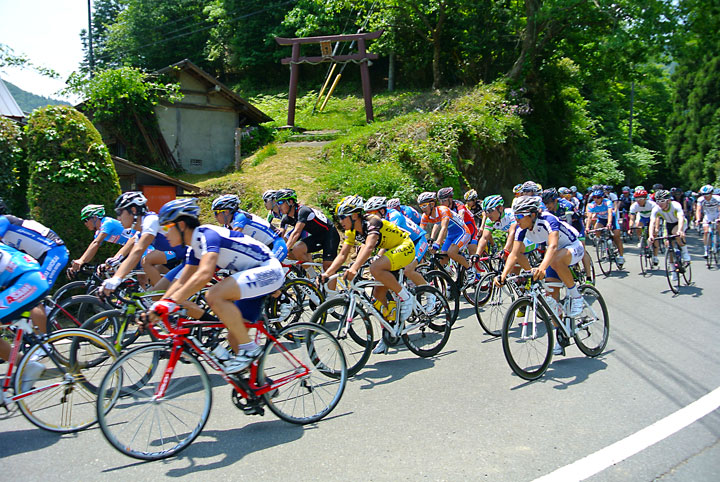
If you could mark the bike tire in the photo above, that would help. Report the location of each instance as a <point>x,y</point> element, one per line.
<point>644,261</point>
<point>304,297</point>
<point>69,406</point>
<point>74,311</point>
<point>602,257</point>
<point>69,290</point>
<point>357,343</point>
<point>136,423</point>
<point>491,313</point>
<point>427,330</point>
<point>297,397</point>
<point>687,272</point>
<point>447,287</point>
<point>528,357</point>
<point>593,324</point>
<point>669,270</point>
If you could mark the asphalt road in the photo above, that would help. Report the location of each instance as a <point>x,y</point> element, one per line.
<point>463,414</point>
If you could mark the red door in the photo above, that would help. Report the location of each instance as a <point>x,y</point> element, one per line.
<point>158,195</point>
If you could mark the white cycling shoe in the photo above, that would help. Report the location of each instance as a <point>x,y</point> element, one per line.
<point>32,372</point>
<point>380,348</point>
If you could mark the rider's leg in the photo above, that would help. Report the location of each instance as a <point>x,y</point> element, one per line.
<point>150,262</point>
<point>454,253</point>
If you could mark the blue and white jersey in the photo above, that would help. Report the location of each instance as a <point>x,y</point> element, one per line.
<point>14,263</point>
<point>114,231</point>
<point>237,252</point>
<point>28,236</point>
<point>410,213</point>
<point>545,224</point>
<point>503,224</point>
<point>710,206</point>
<point>255,227</point>
<point>404,223</point>
<point>564,210</point>
<point>151,226</point>
<point>602,209</point>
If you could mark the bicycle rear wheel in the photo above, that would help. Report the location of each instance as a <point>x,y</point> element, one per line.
<point>308,372</point>
<point>66,388</point>
<point>527,339</point>
<point>298,300</point>
<point>142,426</point>
<point>593,324</point>
<point>442,281</point>
<point>687,272</point>
<point>603,256</point>
<point>74,311</point>
<point>356,340</point>
<point>428,329</point>
<point>645,261</point>
<point>491,314</point>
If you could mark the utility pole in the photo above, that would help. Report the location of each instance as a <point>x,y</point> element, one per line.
<point>632,104</point>
<point>90,46</point>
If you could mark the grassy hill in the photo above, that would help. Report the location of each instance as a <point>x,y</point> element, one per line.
<point>27,101</point>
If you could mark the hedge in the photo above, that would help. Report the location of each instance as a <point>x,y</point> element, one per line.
<point>13,167</point>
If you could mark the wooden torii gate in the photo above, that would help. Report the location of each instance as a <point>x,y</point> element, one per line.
<point>362,58</point>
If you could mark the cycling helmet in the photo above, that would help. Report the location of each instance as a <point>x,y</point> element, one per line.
<point>445,193</point>
<point>657,187</point>
<point>626,189</point>
<point>642,194</point>
<point>375,203</point>
<point>269,195</point>
<point>393,203</point>
<point>564,191</point>
<point>662,195</point>
<point>716,191</point>
<point>3,207</point>
<point>92,210</point>
<point>491,202</point>
<point>226,201</point>
<point>598,193</point>
<point>608,187</point>
<point>531,187</point>
<point>706,189</point>
<point>471,195</point>
<point>527,205</point>
<point>517,189</point>
<point>549,195</point>
<point>178,208</point>
<point>426,197</point>
<point>573,188</point>
<point>675,190</point>
<point>129,199</point>
<point>349,205</point>
<point>285,194</point>
<point>640,188</point>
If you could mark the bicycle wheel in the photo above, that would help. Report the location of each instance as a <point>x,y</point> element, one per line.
<point>69,290</point>
<point>298,299</point>
<point>74,311</point>
<point>669,270</point>
<point>308,370</point>
<point>483,289</point>
<point>353,331</point>
<point>645,262</point>
<point>593,324</point>
<point>492,314</point>
<point>603,257</point>
<point>442,282</point>
<point>527,339</point>
<point>428,329</point>
<point>66,389</point>
<point>687,272</point>
<point>142,426</point>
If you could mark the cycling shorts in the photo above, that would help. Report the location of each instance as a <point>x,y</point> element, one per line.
<point>457,237</point>
<point>26,292</point>
<point>260,280</point>
<point>644,221</point>
<point>280,249</point>
<point>52,263</point>
<point>474,232</point>
<point>603,222</point>
<point>421,247</point>
<point>174,273</point>
<point>401,255</point>
<point>576,250</point>
<point>328,243</point>
<point>708,219</point>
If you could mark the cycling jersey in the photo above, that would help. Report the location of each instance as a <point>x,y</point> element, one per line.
<point>150,225</point>
<point>402,222</point>
<point>22,285</point>
<point>236,251</point>
<point>410,213</point>
<point>316,223</point>
<point>389,235</point>
<point>545,224</point>
<point>625,202</point>
<point>670,214</point>
<point>257,228</point>
<point>643,211</point>
<point>601,210</point>
<point>467,216</point>
<point>439,213</point>
<point>564,210</point>
<point>506,220</point>
<point>710,207</point>
<point>114,231</point>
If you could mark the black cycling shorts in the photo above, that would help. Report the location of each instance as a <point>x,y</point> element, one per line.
<point>329,244</point>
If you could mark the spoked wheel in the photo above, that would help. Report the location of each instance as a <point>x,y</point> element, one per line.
<point>593,323</point>
<point>527,339</point>
<point>645,260</point>
<point>491,313</point>
<point>603,256</point>
<point>73,312</point>
<point>308,372</point>
<point>299,298</point>
<point>355,337</point>
<point>483,290</point>
<point>139,424</point>
<point>442,281</point>
<point>109,325</point>
<point>687,272</point>
<point>428,329</point>
<point>67,377</point>
<point>670,271</point>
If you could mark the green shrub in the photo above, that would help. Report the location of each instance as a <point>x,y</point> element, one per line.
<point>70,167</point>
<point>265,152</point>
<point>13,167</point>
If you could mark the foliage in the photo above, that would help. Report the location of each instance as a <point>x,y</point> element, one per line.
<point>70,167</point>
<point>13,167</point>
<point>8,58</point>
<point>255,137</point>
<point>265,152</point>
<point>29,102</point>
<point>104,14</point>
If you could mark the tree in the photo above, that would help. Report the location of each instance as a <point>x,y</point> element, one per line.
<point>104,14</point>
<point>13,167</point>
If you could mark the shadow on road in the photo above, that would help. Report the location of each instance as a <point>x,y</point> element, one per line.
<point>24,441</point>
<point>573,369</point>
<point>385,372</point>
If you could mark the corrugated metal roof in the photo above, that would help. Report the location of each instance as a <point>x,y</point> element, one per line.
<point>8,106</point>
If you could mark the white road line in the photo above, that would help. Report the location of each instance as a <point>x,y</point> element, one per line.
<point>632,444</point>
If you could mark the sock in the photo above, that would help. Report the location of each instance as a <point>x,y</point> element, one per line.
<point>573,291</point>
<point>404,294</point>
<point>684,250</point>
<point>248,346</point>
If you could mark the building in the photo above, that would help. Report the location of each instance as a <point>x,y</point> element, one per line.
<point>200,130</point>
<point>8,106</point>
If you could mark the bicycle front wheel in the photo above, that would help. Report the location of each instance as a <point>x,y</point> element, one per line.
<point>428,329</point>
<point>670,271</point>
<point>593,324</point>
<point>62,379</point>
<point>442,281</point>
<point>141,425</point>
<point>603,256</point>
<point>687,272</point>
<point>73,312</point>
<point>491,314</point>
<point>527,339</point>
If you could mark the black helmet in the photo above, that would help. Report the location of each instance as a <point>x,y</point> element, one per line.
<point>549,195</point>
<point>657,187</point>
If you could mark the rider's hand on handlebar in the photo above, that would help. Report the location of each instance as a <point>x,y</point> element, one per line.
<point>538,274</point>
<point>350,274</point>
<point>499,281</point>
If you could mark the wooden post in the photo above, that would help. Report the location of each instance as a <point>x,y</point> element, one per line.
<point>327,81</point>
<point>391,72</point>
<point>365,77</point>
<point>238,148</point>
<point>294,74</point>
<point>330,92</point>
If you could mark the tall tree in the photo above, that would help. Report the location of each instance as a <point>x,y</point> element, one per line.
<point>104,14</point>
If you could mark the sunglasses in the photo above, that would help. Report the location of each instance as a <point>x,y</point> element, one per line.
<point>598,197</point>
<point>488,211</point>
<point>424,205</point>
<point>220,211</point>
<point>167,227</point>
<point>342,217</point>
<point>280,203</point>
<point>519,216</point>
<point>119,211</point>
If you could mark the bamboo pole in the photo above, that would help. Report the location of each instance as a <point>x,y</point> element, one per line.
<point>332,89</point>
<point>322,91</point>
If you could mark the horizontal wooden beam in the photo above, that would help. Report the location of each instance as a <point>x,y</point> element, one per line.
<point>336,58</point>
<point>187,105</point>
<point>329,38</point>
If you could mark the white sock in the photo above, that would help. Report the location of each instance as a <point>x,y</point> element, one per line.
<point>248,346</point>
<point>404,294</point>
<point>573,292</point>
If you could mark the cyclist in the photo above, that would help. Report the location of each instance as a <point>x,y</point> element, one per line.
<point>105,228</point>
<point>373,232</point>
<point>672,212</point>
<point>228,213</point>
<point>564,211</point>
<point>408,211</point>
<point>517,189</point>
<point>237,298</point>
<point>445,198</point>
<point>625,200</point>
<point>378,205</point>
<point>449,231</point>
<point>601,213</point>
<point>474,206</point>
<point>640,212</point>
<point>708,204</point>
<point>273,209</point>
<point>498,223</point>
<point>132,212</point>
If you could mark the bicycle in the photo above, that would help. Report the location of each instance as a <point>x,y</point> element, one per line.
<point>349,316</point>
<point>148,411</point>
<point>490,311</point>
<point>675,264</point>
<point>437,276</point>
<point>527,332</point>
<point>61,396</point>
<point>605,250</point>
<point>713,254</point>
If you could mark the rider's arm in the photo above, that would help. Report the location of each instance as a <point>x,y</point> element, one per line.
<point>517,251</point>
<point>365,251</point>
<point>180,281</point>
<point>295,235</point>
<point>510,237</point>
<point>136,254</point>
<point>91,250</point>
<point>552,247</point>
<point>196,278</point>
<point>443,231</point>
<point>339,260</point>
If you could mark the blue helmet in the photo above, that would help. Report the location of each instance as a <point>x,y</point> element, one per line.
<point>706,189</point>
<point>177,208</point>
<point>598,193</point>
